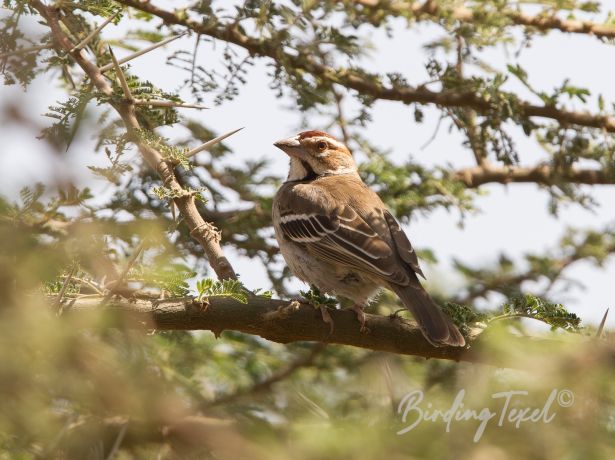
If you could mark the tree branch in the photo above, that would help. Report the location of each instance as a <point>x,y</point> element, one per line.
<point>358,82</point>
<point>430,9</point>
<point>19,52</point>
<point>541,174</point>
<point>205,233</point>
<point>285,322</point>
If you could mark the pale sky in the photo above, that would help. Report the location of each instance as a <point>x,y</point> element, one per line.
<point>513,218</point>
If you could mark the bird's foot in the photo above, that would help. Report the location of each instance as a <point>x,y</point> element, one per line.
<point>358,309</point>
<point>326,317</point>
<point>321,301</point>
<point>284,310</point>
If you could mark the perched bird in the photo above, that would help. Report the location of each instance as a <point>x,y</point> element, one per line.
<point>337,234</point>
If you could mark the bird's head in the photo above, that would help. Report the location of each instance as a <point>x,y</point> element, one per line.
<point>316,153</point>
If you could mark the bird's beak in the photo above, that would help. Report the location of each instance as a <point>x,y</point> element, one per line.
<point>290,146</point>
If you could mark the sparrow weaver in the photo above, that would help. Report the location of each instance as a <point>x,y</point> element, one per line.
<point>337,234</point>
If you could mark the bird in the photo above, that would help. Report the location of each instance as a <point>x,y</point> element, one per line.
<point>336,234</point>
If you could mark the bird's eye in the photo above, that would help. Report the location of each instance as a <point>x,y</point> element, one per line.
<point>322,146</point>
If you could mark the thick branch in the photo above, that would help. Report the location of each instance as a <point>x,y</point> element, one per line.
<point>202,231</point>
<point>544,23</point>
<point>369,87</point>
<point>541,174</point>
<point>285,322</point>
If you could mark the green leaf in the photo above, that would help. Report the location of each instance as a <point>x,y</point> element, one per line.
<point>317,299</point>
<point>209,287</point>
<point>553,314</point>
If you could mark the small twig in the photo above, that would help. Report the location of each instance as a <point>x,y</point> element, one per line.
<point>602,323</point>
<point>127,268</point>
<point>435,133</point>
<point>301,362</point>
<point>511,316</point>
<point>121,78</point>
<point>388,379</point>
<point>33,49</point>
<point>341,120</point>
<point>440,188</point>
<point>63,290</point>
<point>173,209</point>
<point>132,56</point>
<point>51,447</point>
<point>196,49</point>
<point>118,441</point>
<point>92,34</point>
<point>168,104</point>
<point>69,77</point>
<point>87,282</point>
<point>210,143</point>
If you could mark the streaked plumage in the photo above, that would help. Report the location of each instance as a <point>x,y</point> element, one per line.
<point>336,233</point>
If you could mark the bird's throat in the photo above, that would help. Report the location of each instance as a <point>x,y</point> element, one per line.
<point>300,171</point>
<point>309,172</point>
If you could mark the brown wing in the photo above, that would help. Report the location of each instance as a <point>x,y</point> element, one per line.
<point>402,243</point>
<point>340,235</point>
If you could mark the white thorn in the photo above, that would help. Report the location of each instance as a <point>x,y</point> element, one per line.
<point>155,103</point>
<point>207,145</point>
<point>602,324</point>
<point>132,56</point>
<point>92,34</point>
<point>121,77</point>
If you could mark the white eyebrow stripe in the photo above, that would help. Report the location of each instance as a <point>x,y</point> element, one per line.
<point>329,140</point>
<point>336,143</point>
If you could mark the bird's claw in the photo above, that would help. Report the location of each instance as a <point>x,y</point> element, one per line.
<point>283,311</point>
<point>361,318</point>
<point>326,317</point>
<point>396,315</point>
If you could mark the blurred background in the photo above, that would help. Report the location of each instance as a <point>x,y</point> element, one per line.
<point>477,239</point>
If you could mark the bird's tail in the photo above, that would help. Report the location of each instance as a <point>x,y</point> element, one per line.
<point>437,328</point>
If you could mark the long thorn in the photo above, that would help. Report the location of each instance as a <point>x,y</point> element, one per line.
<point>132,56</point>
<point>64,287</point>
<point>118,441</point>
<point>169,104</point>
<point>207,145</point>
<point>127,268</point>
<point>121,78</point>
<point>602,323</point>
<point>92,34</point>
